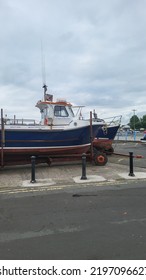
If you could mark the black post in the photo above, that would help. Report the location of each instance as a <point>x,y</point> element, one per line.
<point>83,177</point>
<point>33,169</point>
<point>131,164</point>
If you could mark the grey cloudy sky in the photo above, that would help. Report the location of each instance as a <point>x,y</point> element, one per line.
<point>94,53</point>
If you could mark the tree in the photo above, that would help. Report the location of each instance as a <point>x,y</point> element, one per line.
<point>135,122</point>
<point>143,121</point>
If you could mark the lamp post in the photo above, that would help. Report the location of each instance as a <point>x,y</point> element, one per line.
<point>134,118</point>
<point>134,132</point>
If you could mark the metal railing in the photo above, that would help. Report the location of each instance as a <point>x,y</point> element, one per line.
<point>22,121</point>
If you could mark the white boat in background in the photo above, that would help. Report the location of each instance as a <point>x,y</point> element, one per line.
<point>143,140</point>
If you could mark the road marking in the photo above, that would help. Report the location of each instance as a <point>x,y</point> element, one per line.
<point>129,221</point>
<point>33,190</point>
<point>12,236</point>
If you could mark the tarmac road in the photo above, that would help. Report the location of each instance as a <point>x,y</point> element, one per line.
<point>124,148</point>
<point>75,221</point>
<point>94,223</point>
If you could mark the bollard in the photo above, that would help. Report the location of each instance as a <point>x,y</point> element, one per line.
<point>131,164</point>
<point>33,169</point>
<point>83,177</point>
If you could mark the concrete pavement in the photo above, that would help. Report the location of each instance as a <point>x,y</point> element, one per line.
<point>64,175</point>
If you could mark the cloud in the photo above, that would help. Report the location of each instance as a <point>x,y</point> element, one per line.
<point>94,54</point>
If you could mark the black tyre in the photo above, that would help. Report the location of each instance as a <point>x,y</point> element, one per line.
<point>100,158</point>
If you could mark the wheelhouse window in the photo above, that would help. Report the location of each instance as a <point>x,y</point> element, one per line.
<point>60,111</point>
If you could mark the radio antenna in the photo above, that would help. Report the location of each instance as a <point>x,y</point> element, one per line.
<point>43,69</point>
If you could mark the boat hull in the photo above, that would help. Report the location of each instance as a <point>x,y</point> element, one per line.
<point>107,133</point>
<point>104,138</point>
<point>20,145</point>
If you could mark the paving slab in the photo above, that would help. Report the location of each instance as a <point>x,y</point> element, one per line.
<point>90,179</point>
<point>137,175</point>
<point>38,183</point>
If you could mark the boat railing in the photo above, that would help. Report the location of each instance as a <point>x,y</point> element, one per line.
<point>116,120</point>
<point>24,122</point>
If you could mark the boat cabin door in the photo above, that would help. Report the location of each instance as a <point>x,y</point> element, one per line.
<point>62,115</point>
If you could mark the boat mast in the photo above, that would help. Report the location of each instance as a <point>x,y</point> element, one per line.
<point>45,90</point>
<point>43,71</point>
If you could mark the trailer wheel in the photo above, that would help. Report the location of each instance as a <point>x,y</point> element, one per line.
<point>100,158</point>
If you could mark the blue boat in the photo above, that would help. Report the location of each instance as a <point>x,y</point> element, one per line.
<point>59,132</point>
<point>106,134</point>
